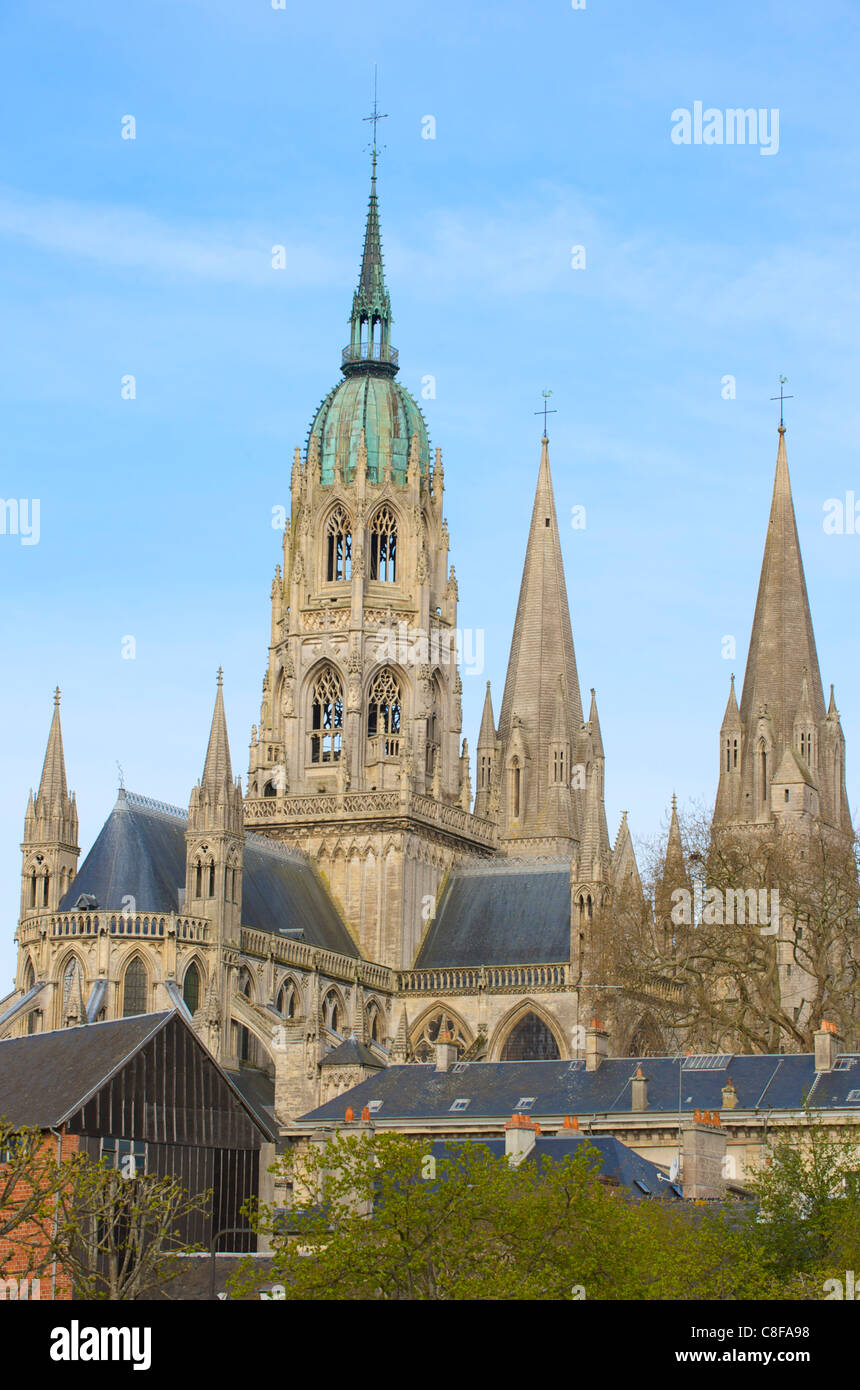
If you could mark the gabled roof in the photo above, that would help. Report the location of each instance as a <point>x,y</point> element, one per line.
<point>501,915</point>
<point>351,1053</point>
<point>140,854</point>
<point>46,1079</point>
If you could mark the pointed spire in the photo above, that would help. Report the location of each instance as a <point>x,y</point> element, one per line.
<point>217,769</point>
<point>782,641</point>
<point>370,348</point>
<point>487,732</point>
<point>594,728</point>
<point>542,647</point>
<point>52,786</point>
<point>831,708</point>
<point>731,718</point>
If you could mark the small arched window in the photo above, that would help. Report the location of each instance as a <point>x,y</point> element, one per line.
<point>198,880</point>
<point>516,787</point>
<point>134,991</point>
<point>331,1011</point>
<point>338,546</point>
<point>383,546</point>
<point>326,717</point>
<point>29,977</point>
<point>287,1002</point>
<point>384,713</point>
<point>45,888</point>
<point>33,889</point>
<point>191,988</point>
<point>374,1026</point>
<point>211,893</point>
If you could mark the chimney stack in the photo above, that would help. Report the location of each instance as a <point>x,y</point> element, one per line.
<point>596,1045</point>
<point>826,1046</point>
<point>730,1095</point>
<point>639,1087</point>
<point>446,1052</point>
<point>520,1135</point>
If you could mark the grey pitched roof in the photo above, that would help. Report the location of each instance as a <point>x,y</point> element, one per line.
<point>351,1053</point>
<point>45,1077</point>
<point>140,853</point>
<point>417,1091</point>
<point>501,915</point>
<point>618,1162</point>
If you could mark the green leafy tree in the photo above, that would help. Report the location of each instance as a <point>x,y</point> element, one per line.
<point>373,1218</point>
<point>29,1181</point>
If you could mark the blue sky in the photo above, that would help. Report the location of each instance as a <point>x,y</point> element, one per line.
<point>153,257</point>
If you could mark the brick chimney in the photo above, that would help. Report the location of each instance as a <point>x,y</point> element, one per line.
<point>446,1052</point>
<point>596,1045</point>
<point>639,1087</point>
<point>826,1046</point>
<point>730,1095</point>
<point>520,1135</point>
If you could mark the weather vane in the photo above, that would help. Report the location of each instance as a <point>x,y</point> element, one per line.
<point>375,116</point>
<point>546,410</point>
<point>121,777</point>
<point>781,398</point>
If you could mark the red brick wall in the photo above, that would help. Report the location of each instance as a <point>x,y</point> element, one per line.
<point>20,1250</point>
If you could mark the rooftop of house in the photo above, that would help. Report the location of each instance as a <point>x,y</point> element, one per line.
<point>492,1091</point>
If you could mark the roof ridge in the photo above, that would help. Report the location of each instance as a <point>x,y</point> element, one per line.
<point>150,803</point>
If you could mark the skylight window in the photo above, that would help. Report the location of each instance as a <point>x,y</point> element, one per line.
<point>844,1063</point>
<point>706,1061</point>
<point>374,1105</point>
<point>643,1187</point>
<point>462,1103</point>
<point>853,1097</point>
<point>525,1102</point>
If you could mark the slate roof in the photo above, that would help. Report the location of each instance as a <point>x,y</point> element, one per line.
<point>140,853</point>
<point>619,1163</point>
<point>351,1053</point>
<point>45,1077</point>
<point>500,915</point>
<point>417,1091</point>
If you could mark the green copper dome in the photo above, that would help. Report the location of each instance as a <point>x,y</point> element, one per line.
<point>369,398</point>
<point>389,417</point>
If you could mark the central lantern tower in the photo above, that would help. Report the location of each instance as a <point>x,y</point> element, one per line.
<point>357,757</point>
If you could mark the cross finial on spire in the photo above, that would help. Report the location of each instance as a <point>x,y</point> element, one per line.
<point>57,697</point>
<point>220,676</point>
<point>781,397</point>
<point>545,410</point>
<point>121,776</point>
<point>375,116</point>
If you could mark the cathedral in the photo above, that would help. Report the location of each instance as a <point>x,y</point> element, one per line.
<point>375,892</point>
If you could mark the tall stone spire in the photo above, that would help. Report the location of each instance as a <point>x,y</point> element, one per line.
<point>487,750</point>
<point>781,754</point>
<point>217,769</point>
<point>52,786</point>
<point>50,845</point>
<point>782,643</point>
<point>541,658</point>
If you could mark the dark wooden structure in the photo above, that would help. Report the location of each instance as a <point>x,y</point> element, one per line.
<point>145,1086</point>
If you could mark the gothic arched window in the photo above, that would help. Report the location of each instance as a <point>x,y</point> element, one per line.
<point>530,1040</point>
<point>134,989</point>
<point>331,1011</point>
<point>384,712</point>
<point>191,988</point>
<point>383,545</point>
<point>287,1004</point>
<point>73,982</point>
<point>29,977</point>
<point>374,1023</point>
<point>338,545</point>
<point>326,717</point>
<point>424,1046</point>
